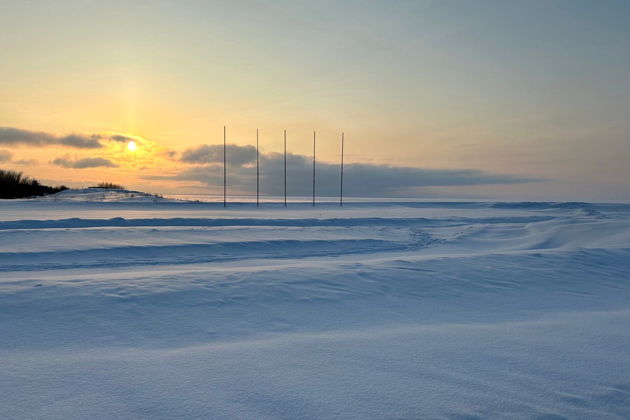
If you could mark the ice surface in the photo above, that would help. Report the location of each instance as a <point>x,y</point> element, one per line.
<point>130,307</point>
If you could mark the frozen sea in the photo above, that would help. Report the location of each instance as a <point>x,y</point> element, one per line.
<point>127,306</point>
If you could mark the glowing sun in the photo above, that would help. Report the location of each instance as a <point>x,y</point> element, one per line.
<point>131,145</point>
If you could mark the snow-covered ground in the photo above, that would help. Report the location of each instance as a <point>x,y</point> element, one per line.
<point>137,307</point>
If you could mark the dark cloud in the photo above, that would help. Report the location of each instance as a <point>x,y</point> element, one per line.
<point>121,138</point>
<point>80,141</point>
<point>5,156</point>
<point>84,163</point>
<point>17,136</point>
<point>236,155</point>
<point>359,179</point>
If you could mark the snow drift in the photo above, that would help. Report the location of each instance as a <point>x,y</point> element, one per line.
<point>128,308</point>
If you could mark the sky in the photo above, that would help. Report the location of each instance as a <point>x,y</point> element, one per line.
<point>505,100</point>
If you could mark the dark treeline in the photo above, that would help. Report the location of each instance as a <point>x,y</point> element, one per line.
<point>15,184</point>
<point>109,186</point>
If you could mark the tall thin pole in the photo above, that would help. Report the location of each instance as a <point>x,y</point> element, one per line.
<point>341,188</point>
<point>285,168</point>
<point>224,171</point>
<point>313,169</point>
<point>257,174</point>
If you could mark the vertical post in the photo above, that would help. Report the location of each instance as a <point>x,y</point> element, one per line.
<point>257,174</point>
<point>224,171</point>
<point>285,168</point>
<point>313,169</point>
<point>341,188</point>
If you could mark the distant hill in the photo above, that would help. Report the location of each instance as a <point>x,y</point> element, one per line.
<point>106,194</point>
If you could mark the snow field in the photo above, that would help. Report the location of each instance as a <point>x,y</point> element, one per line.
<point>135,309</point>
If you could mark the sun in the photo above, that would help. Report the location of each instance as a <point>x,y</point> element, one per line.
<point>131,145</point>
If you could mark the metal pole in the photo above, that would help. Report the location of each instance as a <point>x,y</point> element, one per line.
<point>313,169</point>
<point>341,189</point>
<point>285,168</point>
<point>224,171</point>
<point>257,174</point>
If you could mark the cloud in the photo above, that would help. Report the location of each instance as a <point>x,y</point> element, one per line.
<point>84,163</point>
<point>236,155</point>
<point>360,179</point>
<point>17,136</point>
<point>169,154</point>
<point>121,138</point>
<point>80,141</point>
<point>26,162</point>
<point>5,156</point>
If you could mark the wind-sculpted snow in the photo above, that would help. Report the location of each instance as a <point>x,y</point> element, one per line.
<point>375,310</point>
<point>349,222</point>
<point>103,195</point>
